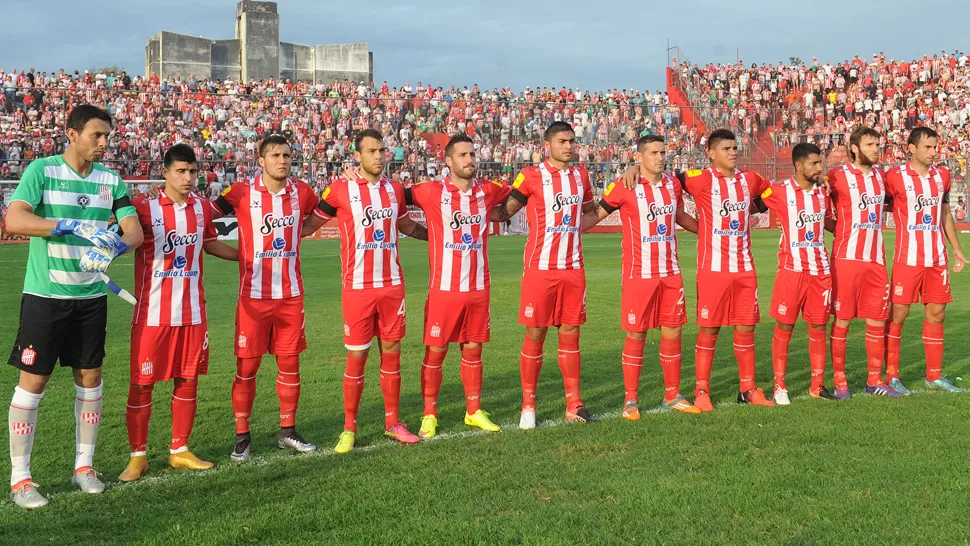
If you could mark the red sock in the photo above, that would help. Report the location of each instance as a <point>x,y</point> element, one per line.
<point>816,357</point>
<point>244,391</point>
<point>670,361</point>
<point>744,353</point>
<point>471,378</point>
<point>839,335</point>
<point>933,343</point>
<point>875,353</point>
<point>391,386</point>
<point>288,388</point>
<point>530,363</point>
<point>137,415</point>
<point>431,379</point>
<point>893,333</point>
<point>779,355</point>
<point>353,388</point>
<point>704,359</point>
<point>184,405</point>
<point>632,362</point>
<point>569,365</point>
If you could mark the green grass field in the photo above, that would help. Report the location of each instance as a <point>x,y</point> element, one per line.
<point>867,470</point>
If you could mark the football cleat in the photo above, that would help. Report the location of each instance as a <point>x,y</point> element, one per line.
<point>291,439</point>
<point>781,396</point>
<point>528,419</point>
<point>942,384</point>
<point>631,410</point>
<point>702,399</point>
<point>87,480</point>
<point>399,433</point>
<point>755,397</point>
<point>137,466</point>
<point>345,442</point>
<point>480,420</point>
<point>898,386</point>
<point>842,392</point>
<point>581,415</point>
<point>822,393</point>
<point>429,426</point>
<point>680,404</point>
<point>26,495</point>
<point>881,389</point>
<point>187,460</point>
<point>242,449</point>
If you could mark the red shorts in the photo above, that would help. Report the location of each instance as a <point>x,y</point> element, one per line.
<point>553,298</point>
<point>727,299</point>
<point>913,284</point>
<point>652,303</point>
<point>456,317</point>
<point>859,290</point>
<point>160,353</point>
<point>374,311</point>
<point>800,291</point>
<point>277,327</point>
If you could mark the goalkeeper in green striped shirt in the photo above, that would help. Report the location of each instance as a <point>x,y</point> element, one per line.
<point>63,203</point>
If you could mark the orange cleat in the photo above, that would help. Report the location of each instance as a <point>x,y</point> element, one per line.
<point>755,397</point>
<point>702,400</point>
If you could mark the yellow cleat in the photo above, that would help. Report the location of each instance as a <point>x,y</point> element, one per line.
<point>137,466</point>
<point>345,442</point>
<point>188,461</point>
<point>429,426</point>
<point>682,405</point>
<point>631,410</point>
<point>480,419</point>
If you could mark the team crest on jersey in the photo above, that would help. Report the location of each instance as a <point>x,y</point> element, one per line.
<point>200,220</point>
<point>147,367</point>
<point>518,181</point>
<point>83,201</point>
<point>28,356</point>
<point>104,192</point>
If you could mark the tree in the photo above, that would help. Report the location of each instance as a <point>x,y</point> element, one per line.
<point>795,61</point>
<point>108,69</point>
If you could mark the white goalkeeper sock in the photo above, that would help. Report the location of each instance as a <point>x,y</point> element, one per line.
<point>22,422</point>
<point>87,413</point>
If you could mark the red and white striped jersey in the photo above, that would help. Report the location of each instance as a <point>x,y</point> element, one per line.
<point>269,235</point>
<point>168,265</point>
<point>554,202</point>
<point>802,214</point>
<point>858,201</point>
<point>458,231</point>
<point>723,214</point>
<point>649,216</point>
<point>368,215</point>
<point>918,210</point>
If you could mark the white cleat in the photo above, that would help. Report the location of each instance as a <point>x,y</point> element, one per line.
<point>781,397</point>
<point>26,495</point>
<point>528,419</point>
<point>87,480</point>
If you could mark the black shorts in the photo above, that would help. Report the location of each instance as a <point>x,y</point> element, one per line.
<point>71,331</point>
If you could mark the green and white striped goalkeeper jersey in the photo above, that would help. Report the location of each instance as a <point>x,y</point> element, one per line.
<point>57,192</point>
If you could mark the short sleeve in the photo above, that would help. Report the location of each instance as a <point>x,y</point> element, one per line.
<point>122,207</point>
<point>761,185</point>
<point>497,193</point>
<point>417,193</point>
<point>308,199</point>
<point>890,185</point>
<point>402,209</point>
<point>829,205</point>
<point>832,180</point>
<point>696,182</point>
<point>210,233</point>
<point>30,190</point>
<point>945,175</point>
<point>613,196</point>
<point>327,208</point>
<point>521,189</point>
<point>770,197</point>
<point>587,187</point>
<point>228,200</point>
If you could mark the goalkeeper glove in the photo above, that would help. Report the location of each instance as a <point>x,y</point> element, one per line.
<point>96,260</point>
<point>101,238</point>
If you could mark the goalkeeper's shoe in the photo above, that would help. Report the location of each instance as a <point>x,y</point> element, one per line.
<point>527,420</point>
<point>137,466</point>
<point>399,433</point>
<point>755,397</point>
<point>429,426</point>
<point>581,415</point>
<point>480,419</point>
<point>631,410</point>
<point>702,399</point>
<point>942,384</point>
<point>679,403</point>
<point>289,438</point>
<point>897,385</point>
<point>345,442</point>
<point>87,480</point>
<point>26,495</point>
<point>187,460</point>
<point>242,450</point>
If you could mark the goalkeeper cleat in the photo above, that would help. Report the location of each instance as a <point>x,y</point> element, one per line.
<point>527,420</point>
<point>26,495</point>
<point>897,385</point>
<point>581,415</point>
<point>679,403</point>
<point>881,389</point>
<point>345,442</point>
<point>842,392</point>
<point>781,396</point>
<point>187,460</point>
<point>242,449</point>
<point>702,400</point>
<point>87,480</point>
<point>429,426</point>
<point>400,433</point>
<point>137,466</point>
<point>480,419</point>
<point>631,410</point>
<point>942,384</point>
<point>822,393</point>
<point>755,397</point>
<point>290,439</point>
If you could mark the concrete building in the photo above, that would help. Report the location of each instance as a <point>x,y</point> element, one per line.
<point>255,52</point>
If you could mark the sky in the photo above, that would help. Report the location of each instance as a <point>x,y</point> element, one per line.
<point>497,43</point>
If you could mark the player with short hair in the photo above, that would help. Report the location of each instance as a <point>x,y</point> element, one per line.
<point>920,194</point>
<point>803,283</point>
<point>458,211</point>
<point>653,290</point>
<point>169,334</point>
<point>271,210</point>
<point>64,204</point>
<point>860,284</point>
<point>371,212</point>
<point>556,194</point>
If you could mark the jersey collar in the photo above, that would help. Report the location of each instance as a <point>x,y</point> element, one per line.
<point>716,172</point>
<point>798,187</point>
<point>258,184</point>
<point>454,189</point>
<point>912,172</point>
<point>165,200</point>
<point>364,182</point>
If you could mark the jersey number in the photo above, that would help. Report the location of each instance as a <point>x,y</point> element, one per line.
<point>402,310</point>
<point>946,276</point>
<point>827,296</point>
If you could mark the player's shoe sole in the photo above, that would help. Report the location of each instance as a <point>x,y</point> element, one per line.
<point>26,495</point>
<point>755,397</point>
<point>137,466</point>
<point>345,442</point>
<point>702,400</point>
<point>527,420</point>
<point>480,419</point>
<point>631,410</point>
<point>429,426</point>
<point>188,461</point>
<point>86,479</point>
<point>680,404</point>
